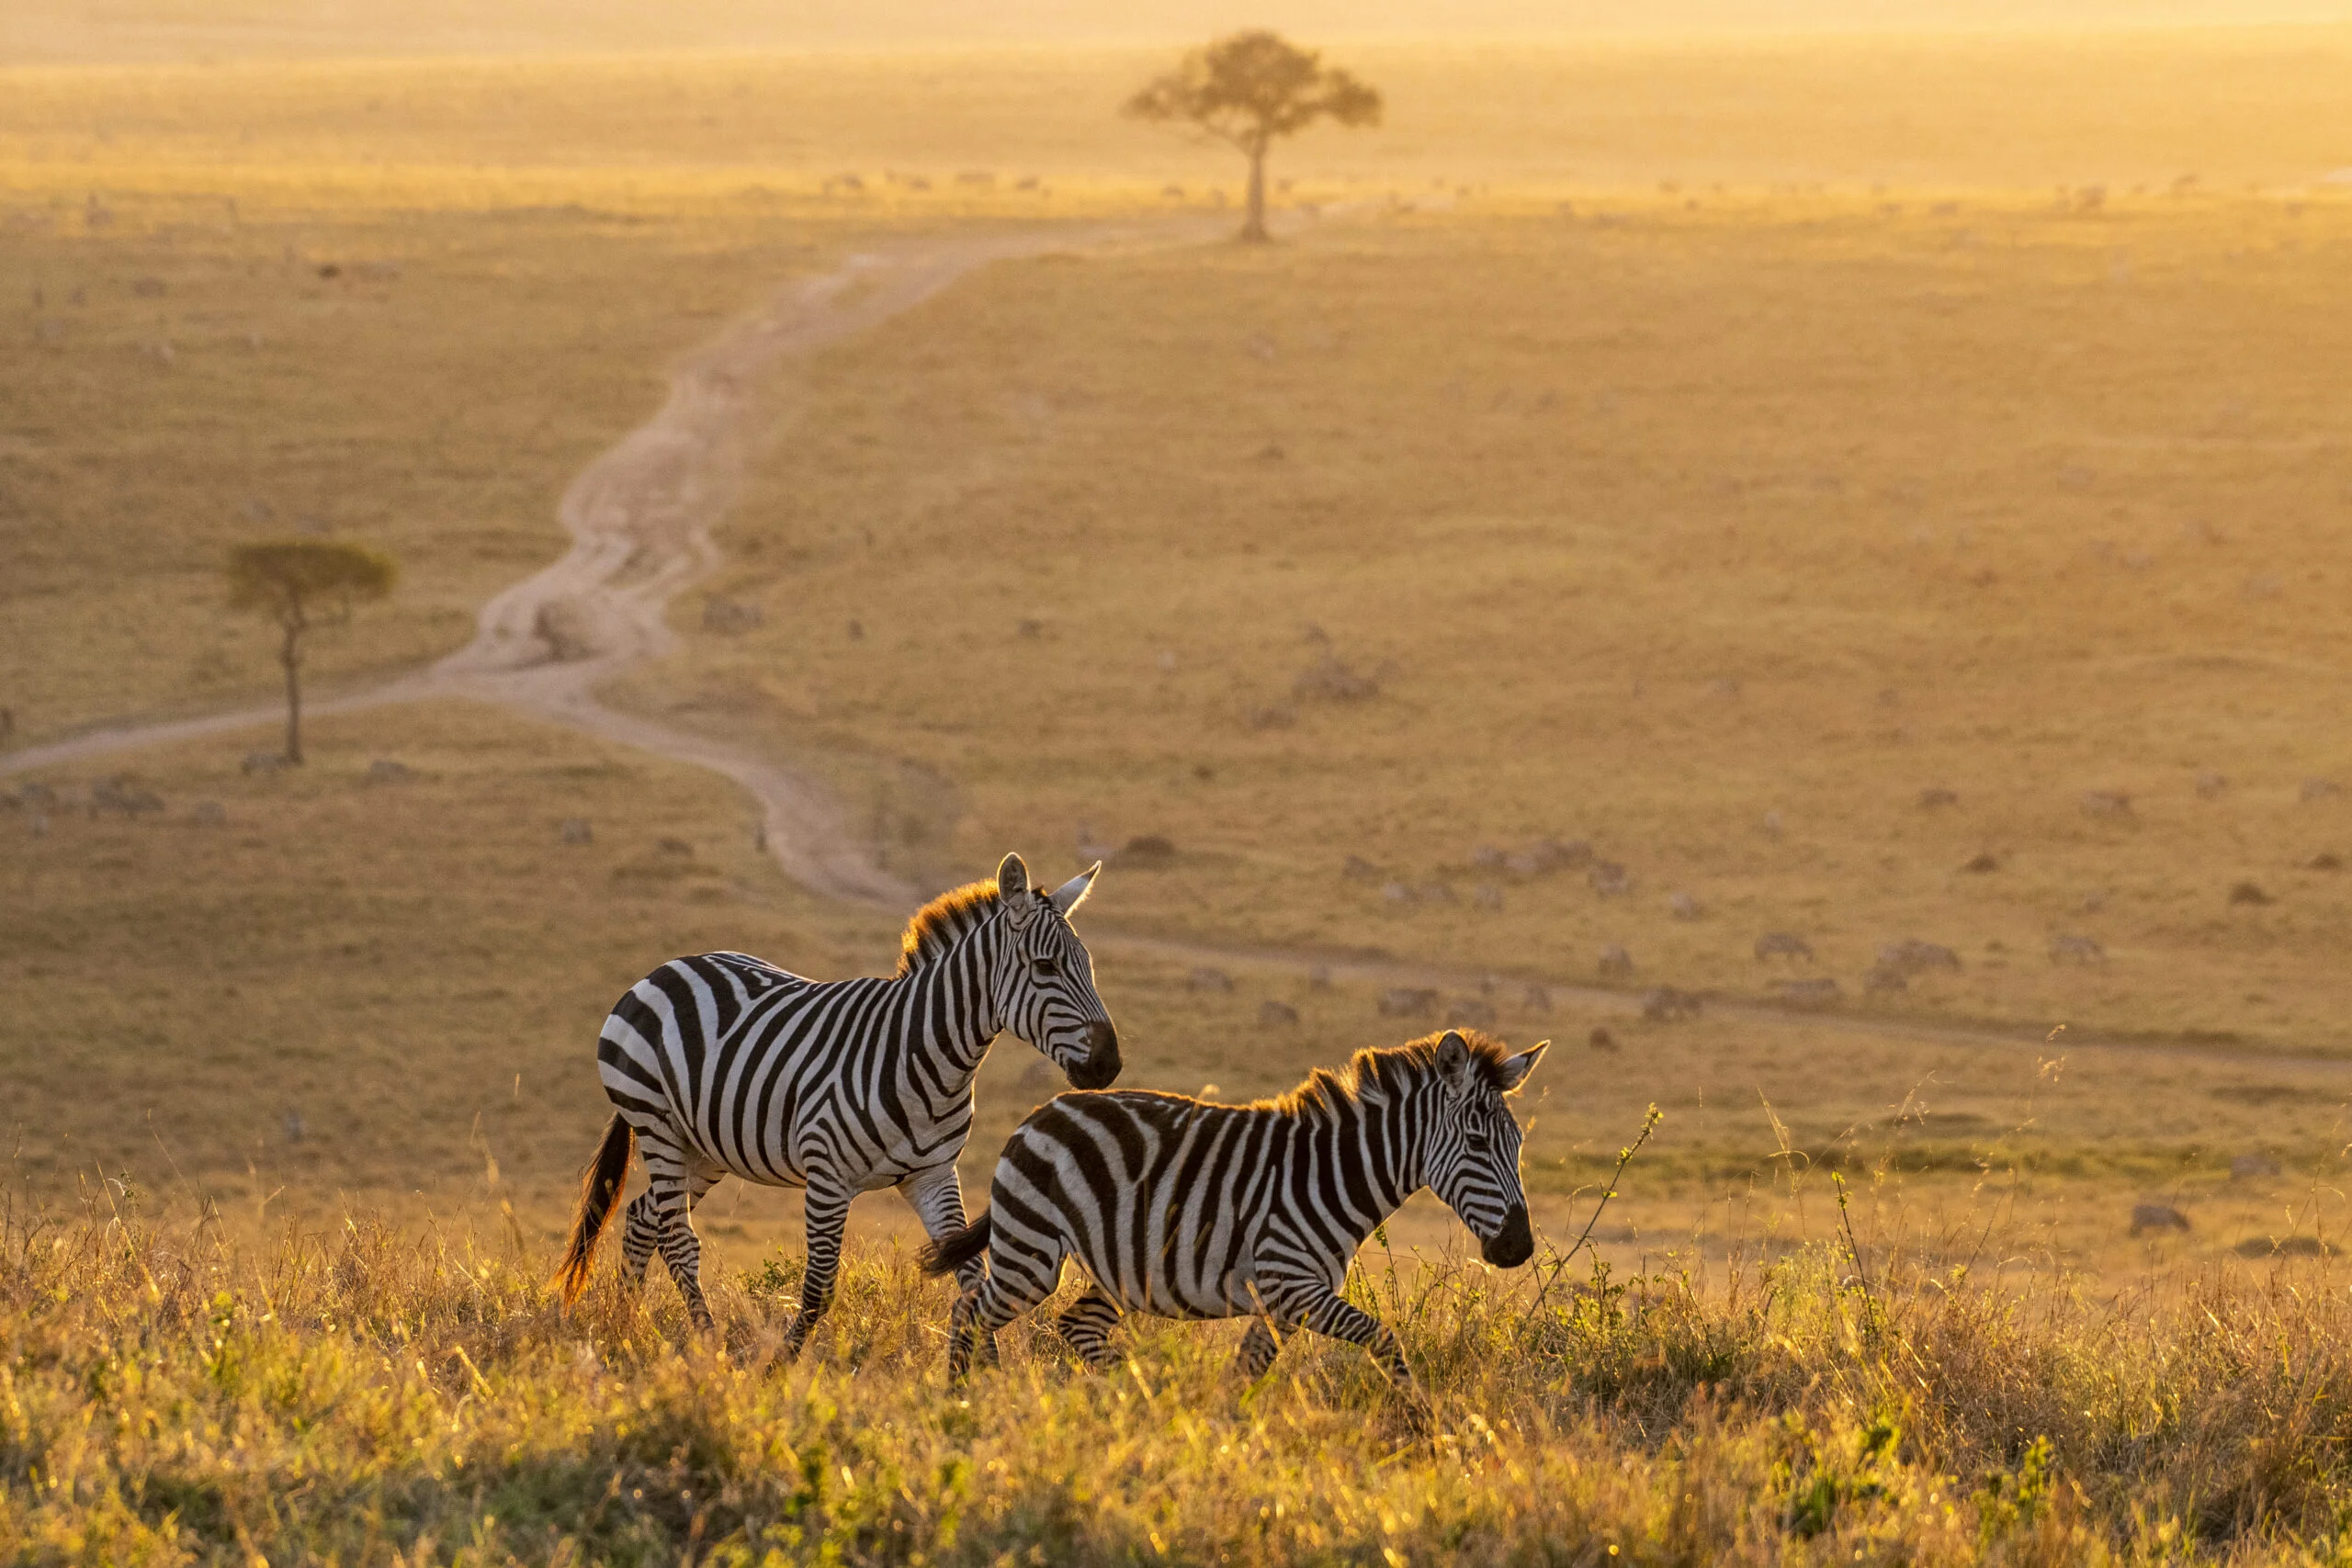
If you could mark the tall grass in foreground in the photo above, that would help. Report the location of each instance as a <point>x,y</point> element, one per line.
<point>374,1396</point>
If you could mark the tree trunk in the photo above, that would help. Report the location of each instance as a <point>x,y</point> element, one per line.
<point>1254,230</point>
<point>289,654</point>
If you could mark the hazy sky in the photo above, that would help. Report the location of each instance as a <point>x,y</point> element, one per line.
<point>163,30</point>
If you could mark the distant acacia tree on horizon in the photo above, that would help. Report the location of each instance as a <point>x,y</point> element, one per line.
<point>302,583</point>
<point>1249,89</point>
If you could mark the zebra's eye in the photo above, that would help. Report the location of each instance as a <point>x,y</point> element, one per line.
<point>1478,1142</point>
<point>1044,968</point>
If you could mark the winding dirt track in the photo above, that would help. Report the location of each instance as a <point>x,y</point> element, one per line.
<point>639,517</point>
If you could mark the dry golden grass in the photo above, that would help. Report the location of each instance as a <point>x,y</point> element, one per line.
<point>359,1395</point>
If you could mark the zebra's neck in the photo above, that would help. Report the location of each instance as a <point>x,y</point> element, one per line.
<point>952,1004</point>
<point>1377,1138</point>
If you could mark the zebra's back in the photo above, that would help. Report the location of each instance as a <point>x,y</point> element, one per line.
<point>759,1070</point>
<point>1160,1198</point>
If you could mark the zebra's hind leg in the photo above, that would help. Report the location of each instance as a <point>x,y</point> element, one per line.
<point>1019,1279</point>
<point>1088,1326</point>
<point>640,1234</point>
<point>674,1185</point>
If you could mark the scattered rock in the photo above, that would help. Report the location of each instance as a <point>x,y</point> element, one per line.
<point>1911,956</point>
<point>1784,944</point>
<point>2253,1168</point>
<point>1884,977</point>
<point>1609,879</point>
<point>1937,795</point>
<point>676,848</point>
<point>1148,852</point>
<point>575,830</point>
<point>1208,979</point>
<point>1408,1001</point>
<point>1487,897</point>
<point>1772,824</point>
<point>1810,993</point>
<point>1397,893</point>
<point>1271,716</point>
<point>208,813</point>
<point>1537,1001</point>
<point>2325,861</point>
<point>1272,1014</point>
<point>2249,893</point>
<point>117,794</point>
<point>2112,805</point>
<point>2157,1217</point>
<point>2321,789</point>
<point>1470,1013</point>
<point>1486,857</point>
<point>1331,681</point>
<point>384,770</point>
<point>1981,862</point>
<point>2094,901</point>
<point>1029,626</point>
<point>1682,906</point>
<point>1548,855</point>
<point>1359,868</point>
<point>1667,1005</point>
<point>2069,949</point>
<point>263,762</point>
<point>1616,962</point>
<point>732,617</point>
<point>1600,1039</point>
<point>1438,893</point>
<point>34,794</point>
<point>2212,785</point>
<point>1319,978</point>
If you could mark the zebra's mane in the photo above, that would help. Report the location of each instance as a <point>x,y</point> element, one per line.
<point>940,924</point>
<point>1324,1091</point>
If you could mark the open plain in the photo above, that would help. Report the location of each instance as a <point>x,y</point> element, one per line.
<point>1573,557</point>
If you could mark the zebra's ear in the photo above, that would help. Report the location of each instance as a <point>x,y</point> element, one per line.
<point>1454,1063</point>
<point>1071,894</point>
<point>1515,1069</point>
<point>1012,878</point>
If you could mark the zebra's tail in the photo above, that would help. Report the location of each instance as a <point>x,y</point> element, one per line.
<point>956,1248</point>
<point>600,1194</point>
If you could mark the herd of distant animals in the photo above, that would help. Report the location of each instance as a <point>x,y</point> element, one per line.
<point>724,1065</point>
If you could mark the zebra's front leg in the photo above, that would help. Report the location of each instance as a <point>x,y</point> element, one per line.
<point>825,1216</point>
<point>1259,1348</point>
<point>937,1196</point>
<point>1318,1307</point>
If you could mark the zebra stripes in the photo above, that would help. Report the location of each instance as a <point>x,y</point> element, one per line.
<point>724,1065</point>
<point>1180,1208</point>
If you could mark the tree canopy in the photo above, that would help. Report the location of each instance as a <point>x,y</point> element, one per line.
<point>285,579</point>
<point>1250,89</point>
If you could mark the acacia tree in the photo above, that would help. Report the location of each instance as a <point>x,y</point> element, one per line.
<point>1249,89</point>
<point>300,584</point>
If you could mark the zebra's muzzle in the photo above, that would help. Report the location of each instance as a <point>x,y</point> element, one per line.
<point>1100,1069</point>
<point>1514,1244</point>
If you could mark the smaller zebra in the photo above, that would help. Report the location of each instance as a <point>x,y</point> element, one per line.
<point>1185,1209</point>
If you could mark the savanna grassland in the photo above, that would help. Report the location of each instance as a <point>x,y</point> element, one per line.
<point>1701,452</point>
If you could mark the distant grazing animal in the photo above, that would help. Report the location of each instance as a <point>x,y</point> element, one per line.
<point>1178,1208</point>
<point>725,1064</point>
<point>2106,802</point>
<point>2065,949</point>
<point>1784,944</point>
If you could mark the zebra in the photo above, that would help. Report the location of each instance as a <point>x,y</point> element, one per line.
<point>724,1065</point>
<point>1182,1207</point>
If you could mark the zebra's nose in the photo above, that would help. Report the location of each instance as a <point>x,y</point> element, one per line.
<point>1100,1069</point>
<point>1514,1244</point>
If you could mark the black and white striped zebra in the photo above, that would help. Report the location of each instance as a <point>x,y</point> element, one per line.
<point>1182,1207</point>
<point>724,1065</point>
